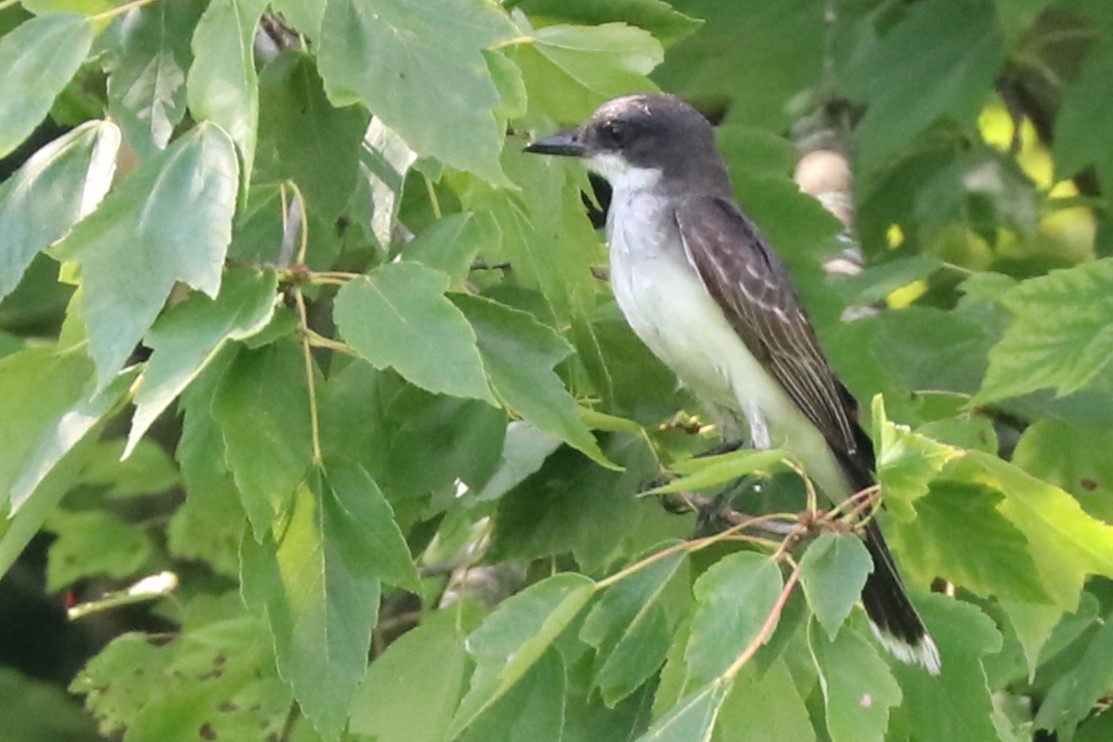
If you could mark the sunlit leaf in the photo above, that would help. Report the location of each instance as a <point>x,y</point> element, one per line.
<point>1060,336</point>
<point>170,221</point>
<point>147,87</point>
<point>38,58</point>
<point>58,185</point>
<point>222,85</point>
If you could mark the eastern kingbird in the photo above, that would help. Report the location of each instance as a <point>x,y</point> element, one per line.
<point>703,289</point>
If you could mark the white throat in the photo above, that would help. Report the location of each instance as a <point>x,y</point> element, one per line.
<point>623,177</point>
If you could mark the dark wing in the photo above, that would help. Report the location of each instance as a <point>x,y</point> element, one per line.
<point>753,288</point>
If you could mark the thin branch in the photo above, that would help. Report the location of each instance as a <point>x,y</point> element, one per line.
<point>320,341</point>
<point>767,628</point>
<point>688,546</point>
<point>118,10</point>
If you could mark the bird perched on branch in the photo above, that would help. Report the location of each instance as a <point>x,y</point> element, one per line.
<point>707,294</point>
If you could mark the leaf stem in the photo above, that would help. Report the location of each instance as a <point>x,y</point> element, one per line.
<point>516,41</point>
<point>433,200</point>
<point>689,546</point>
<point>318,340</point>
<point>767,628</point>
<point>113,12</point>
<point>310,378</point>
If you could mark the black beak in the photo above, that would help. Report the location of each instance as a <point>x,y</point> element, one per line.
<point>563,143</point>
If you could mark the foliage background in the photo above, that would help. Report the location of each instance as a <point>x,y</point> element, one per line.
<point>291,326</point>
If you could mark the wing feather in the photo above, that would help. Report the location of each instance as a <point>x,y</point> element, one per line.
<point>753,288</point>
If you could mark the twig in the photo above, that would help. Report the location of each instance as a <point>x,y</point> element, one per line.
<point>767,628</point>
<point>118,10</point>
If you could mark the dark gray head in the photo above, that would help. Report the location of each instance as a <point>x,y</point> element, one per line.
<point>630,139</point>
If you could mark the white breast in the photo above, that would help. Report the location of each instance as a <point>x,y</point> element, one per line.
<point>668,307</point>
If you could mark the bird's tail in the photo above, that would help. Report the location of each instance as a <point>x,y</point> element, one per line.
<point>892,616</point>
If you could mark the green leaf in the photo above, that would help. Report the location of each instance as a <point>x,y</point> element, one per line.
<point>398,316</point>
<point>858,689</point>
<point>572,505</point>
<point>262,409</point>
<point>906,462</point>
<point>44,712</point>
<point>17,530</point>
<point>451,243</point>
<point>1065,543</point>
<point>773,51</point>
<point>524,450</point>
<point>416,65</point>
<point>58,185</point>
<point>429,442</point>
<point>222,86</point>
<point>515,636</point>
<point>693,718</point>
<point>876,282</point>
<point>216,678</point>
<point>321,605</point>
<point>1060,336</point>
<point>406,694</point>
<point>580,67</point>
<point>1086,111</point>
<point>38,58</point>
<point>117,682</point>
<point>304,139</point>
<point>703,472</point>
<point>953,50</point>
<point>655,16</point>
<point>956,704</point>
<point>551,245</point>
<point>630,630</point>
<point>533,709</point>
<point>208,481</point>
<point>833,572</point>
<point>761,702</point>
<point>94,543</point>
<point>146,90</point>
<point>366,532</point>
<point>1034,624</point>
<point>734,598</point>
<point>1074,457</point>
<point>208,525</point>
<point>48,406</point>
<point>304,15</point>
<point>169,221</point>
<point>148,471</point>
<point>960,536</point>
<point>187,338</point>
<point>519,354</point>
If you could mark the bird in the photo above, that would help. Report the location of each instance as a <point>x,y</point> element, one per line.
<point>702,287</point>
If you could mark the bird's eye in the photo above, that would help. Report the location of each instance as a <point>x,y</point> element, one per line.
<point>612,133</point>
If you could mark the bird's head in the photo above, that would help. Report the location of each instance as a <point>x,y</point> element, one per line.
<point>634,140</point>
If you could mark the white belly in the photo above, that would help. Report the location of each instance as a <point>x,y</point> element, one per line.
<point>668,307</point>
